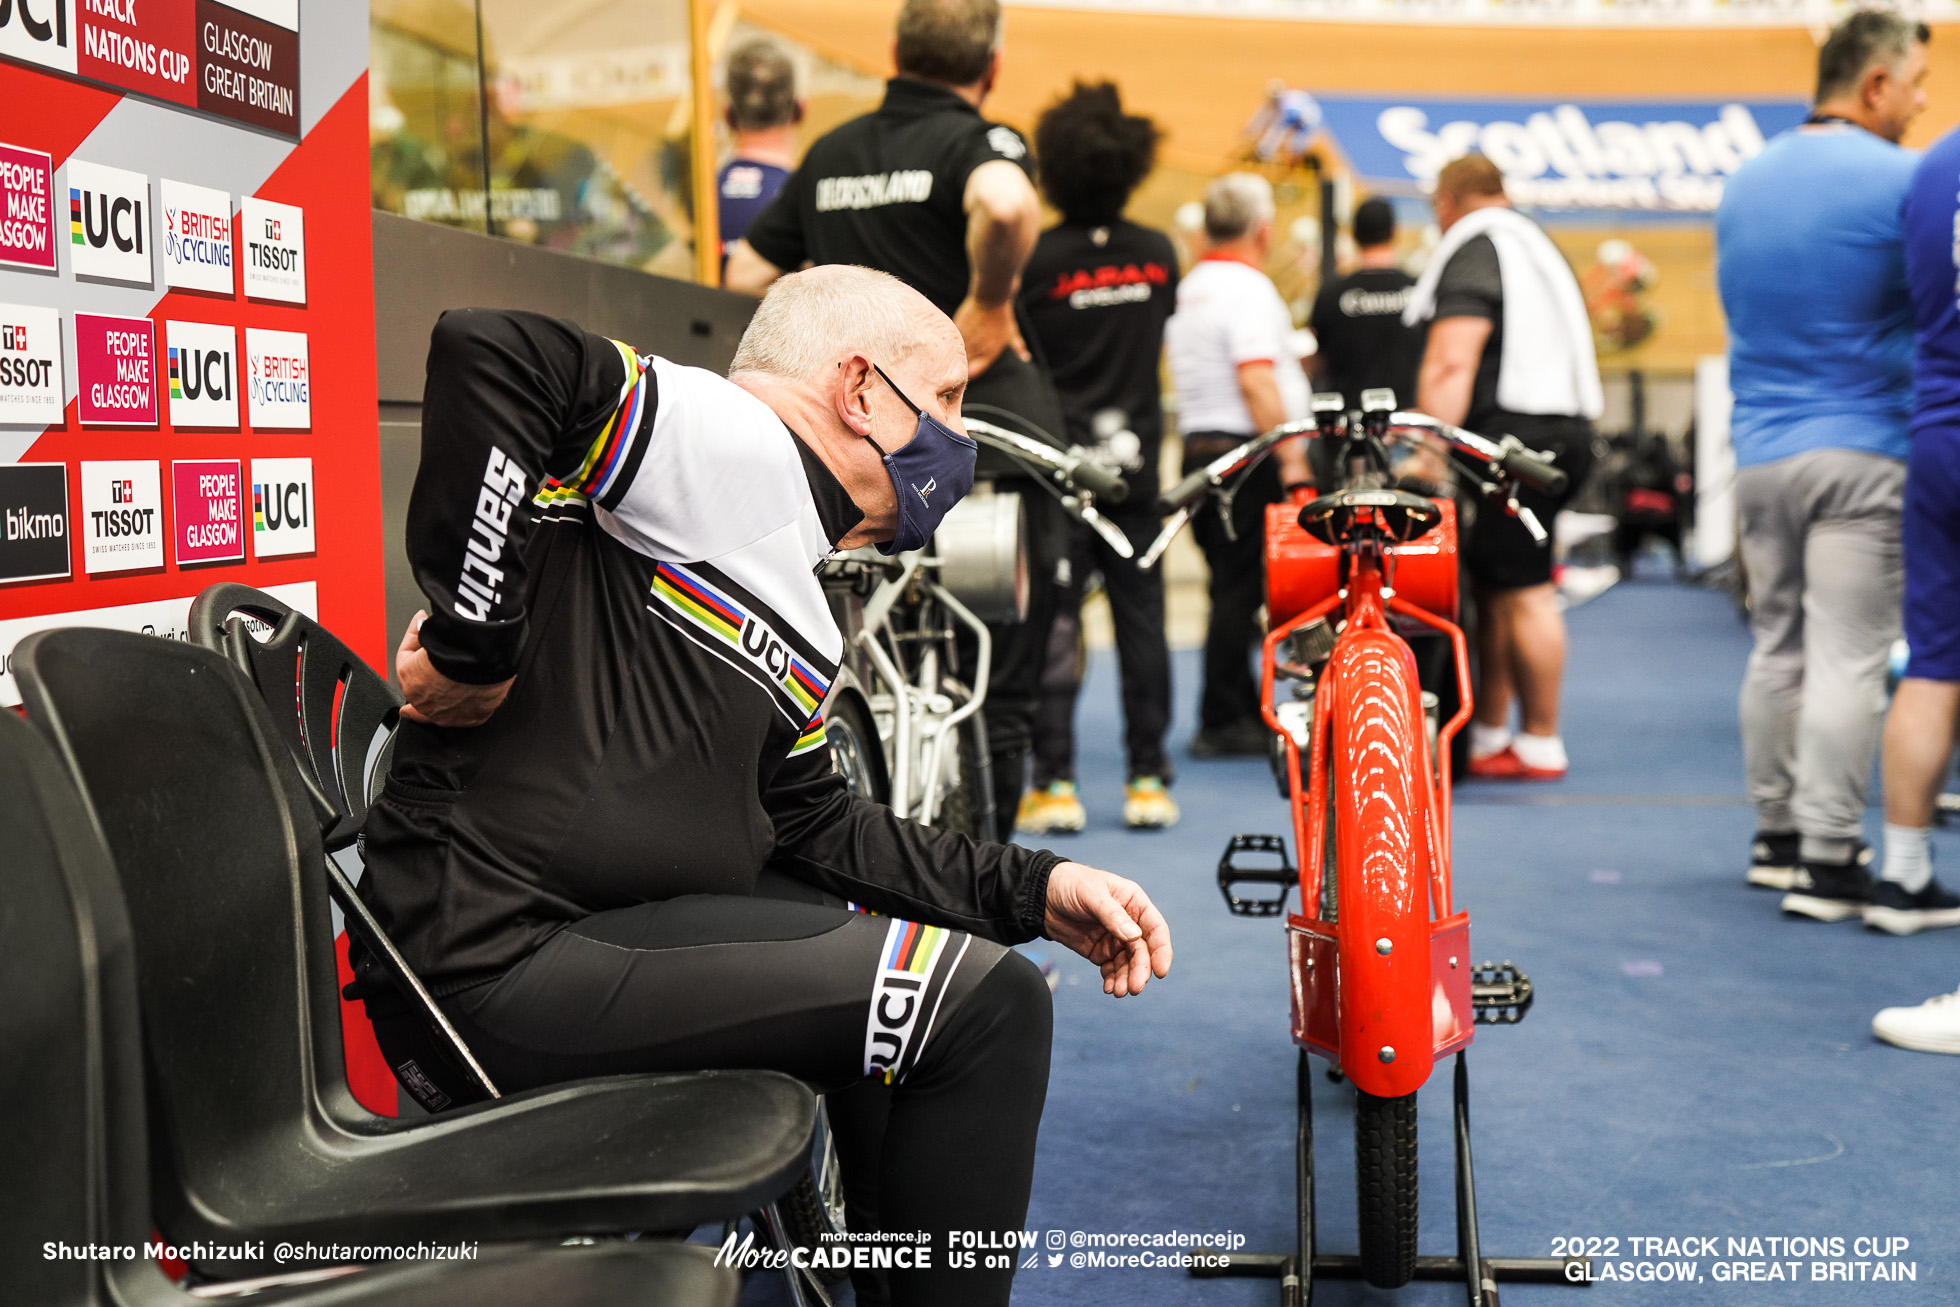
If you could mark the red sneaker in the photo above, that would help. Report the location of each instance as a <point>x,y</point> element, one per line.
<point>1505,765</point>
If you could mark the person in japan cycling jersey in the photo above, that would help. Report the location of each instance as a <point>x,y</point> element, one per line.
<point>612,839</point>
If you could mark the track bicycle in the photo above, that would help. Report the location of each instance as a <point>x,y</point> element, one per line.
<point>1382,983</point>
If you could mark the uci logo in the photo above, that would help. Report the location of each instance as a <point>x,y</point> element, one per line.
<point>102,219</point>
<point>926,490</point>
<point>203,374</point>
<point>761,644</point>
<point>53,28</point>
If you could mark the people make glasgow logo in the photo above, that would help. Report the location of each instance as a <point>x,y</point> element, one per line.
<point>1664,156</point>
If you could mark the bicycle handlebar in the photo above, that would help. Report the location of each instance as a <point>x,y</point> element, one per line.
<point>1100,480</point>
<point>1507,458</point>
<point>1194,487</point>
<point>1073,465</point>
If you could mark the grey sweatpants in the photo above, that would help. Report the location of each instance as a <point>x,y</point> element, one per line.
<point>1820,540</point>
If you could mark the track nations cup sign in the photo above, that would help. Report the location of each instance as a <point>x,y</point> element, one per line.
<point>1663,157</point>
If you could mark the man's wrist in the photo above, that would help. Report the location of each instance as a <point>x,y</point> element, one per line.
<point>1034,904</point>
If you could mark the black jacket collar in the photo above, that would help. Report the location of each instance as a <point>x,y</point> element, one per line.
<point>912,98</point>
<point>836,509</point>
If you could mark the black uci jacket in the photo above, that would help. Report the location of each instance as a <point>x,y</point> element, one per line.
<point>636,543</point>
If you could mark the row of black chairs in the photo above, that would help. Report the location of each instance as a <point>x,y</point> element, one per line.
<point>176,1060</point>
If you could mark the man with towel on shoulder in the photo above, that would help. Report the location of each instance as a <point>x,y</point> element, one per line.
<point>1510,353</point>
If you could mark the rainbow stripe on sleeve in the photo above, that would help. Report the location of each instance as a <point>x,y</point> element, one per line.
<point>607,454</point>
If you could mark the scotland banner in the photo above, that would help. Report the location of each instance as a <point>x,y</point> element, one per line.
<point>1662,156</point>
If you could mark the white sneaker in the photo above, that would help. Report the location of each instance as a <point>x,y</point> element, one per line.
<point>1932,1027</point>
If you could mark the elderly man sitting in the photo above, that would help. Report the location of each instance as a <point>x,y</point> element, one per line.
<point>612,840</point>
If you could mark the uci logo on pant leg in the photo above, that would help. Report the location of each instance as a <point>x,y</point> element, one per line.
<point>905,997</point>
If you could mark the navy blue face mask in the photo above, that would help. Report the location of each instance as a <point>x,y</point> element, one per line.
<point>930,473</point>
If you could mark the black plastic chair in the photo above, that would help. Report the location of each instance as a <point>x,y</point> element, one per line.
<point>256,1134</point>
<point>75,1151</point>
<point>338,718</point>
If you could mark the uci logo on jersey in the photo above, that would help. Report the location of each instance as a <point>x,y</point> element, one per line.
<point>760,643</point>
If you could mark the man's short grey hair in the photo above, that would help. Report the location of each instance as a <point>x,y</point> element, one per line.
<point>1870,36</point>
<point>1236,204</point>
<point>808,318</point>
<point>949,41</point>
<point>761,87</point>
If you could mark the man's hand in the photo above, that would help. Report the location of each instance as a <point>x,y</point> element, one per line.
<point>987,332</point>
<point>1111,922</point>
<point>434,699</point>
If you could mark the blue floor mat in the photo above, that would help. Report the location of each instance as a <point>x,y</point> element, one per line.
<point>1695,1065</point>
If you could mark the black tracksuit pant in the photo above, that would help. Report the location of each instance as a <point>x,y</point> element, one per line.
<point>1143,657</point>
<point>1237,585</point>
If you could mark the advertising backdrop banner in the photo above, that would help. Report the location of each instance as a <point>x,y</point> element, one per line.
<point>168,168</point>
<point>1661,156</point>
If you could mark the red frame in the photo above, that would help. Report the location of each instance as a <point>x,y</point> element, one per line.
<point>1394,972</point>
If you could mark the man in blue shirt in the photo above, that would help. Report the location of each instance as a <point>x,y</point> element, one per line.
<point>1811,267</point>
<point>1919,732</point>
<point>763,112</point>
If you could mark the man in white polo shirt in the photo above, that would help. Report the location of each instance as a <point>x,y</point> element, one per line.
<point>1237,373</point>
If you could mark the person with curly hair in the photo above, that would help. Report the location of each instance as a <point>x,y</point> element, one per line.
<point>1097,292</point>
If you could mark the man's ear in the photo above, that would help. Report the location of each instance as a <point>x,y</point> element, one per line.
<point>853,394</point>
<point>1877,80</point>
<point>802,108</point>
<point>992,75</point>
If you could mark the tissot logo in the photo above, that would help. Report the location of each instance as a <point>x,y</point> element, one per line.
<point>30,365</point>
<point>274,237</point>
<point>39,32</point>
<point>122,517</point>
<point>108,222</point>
